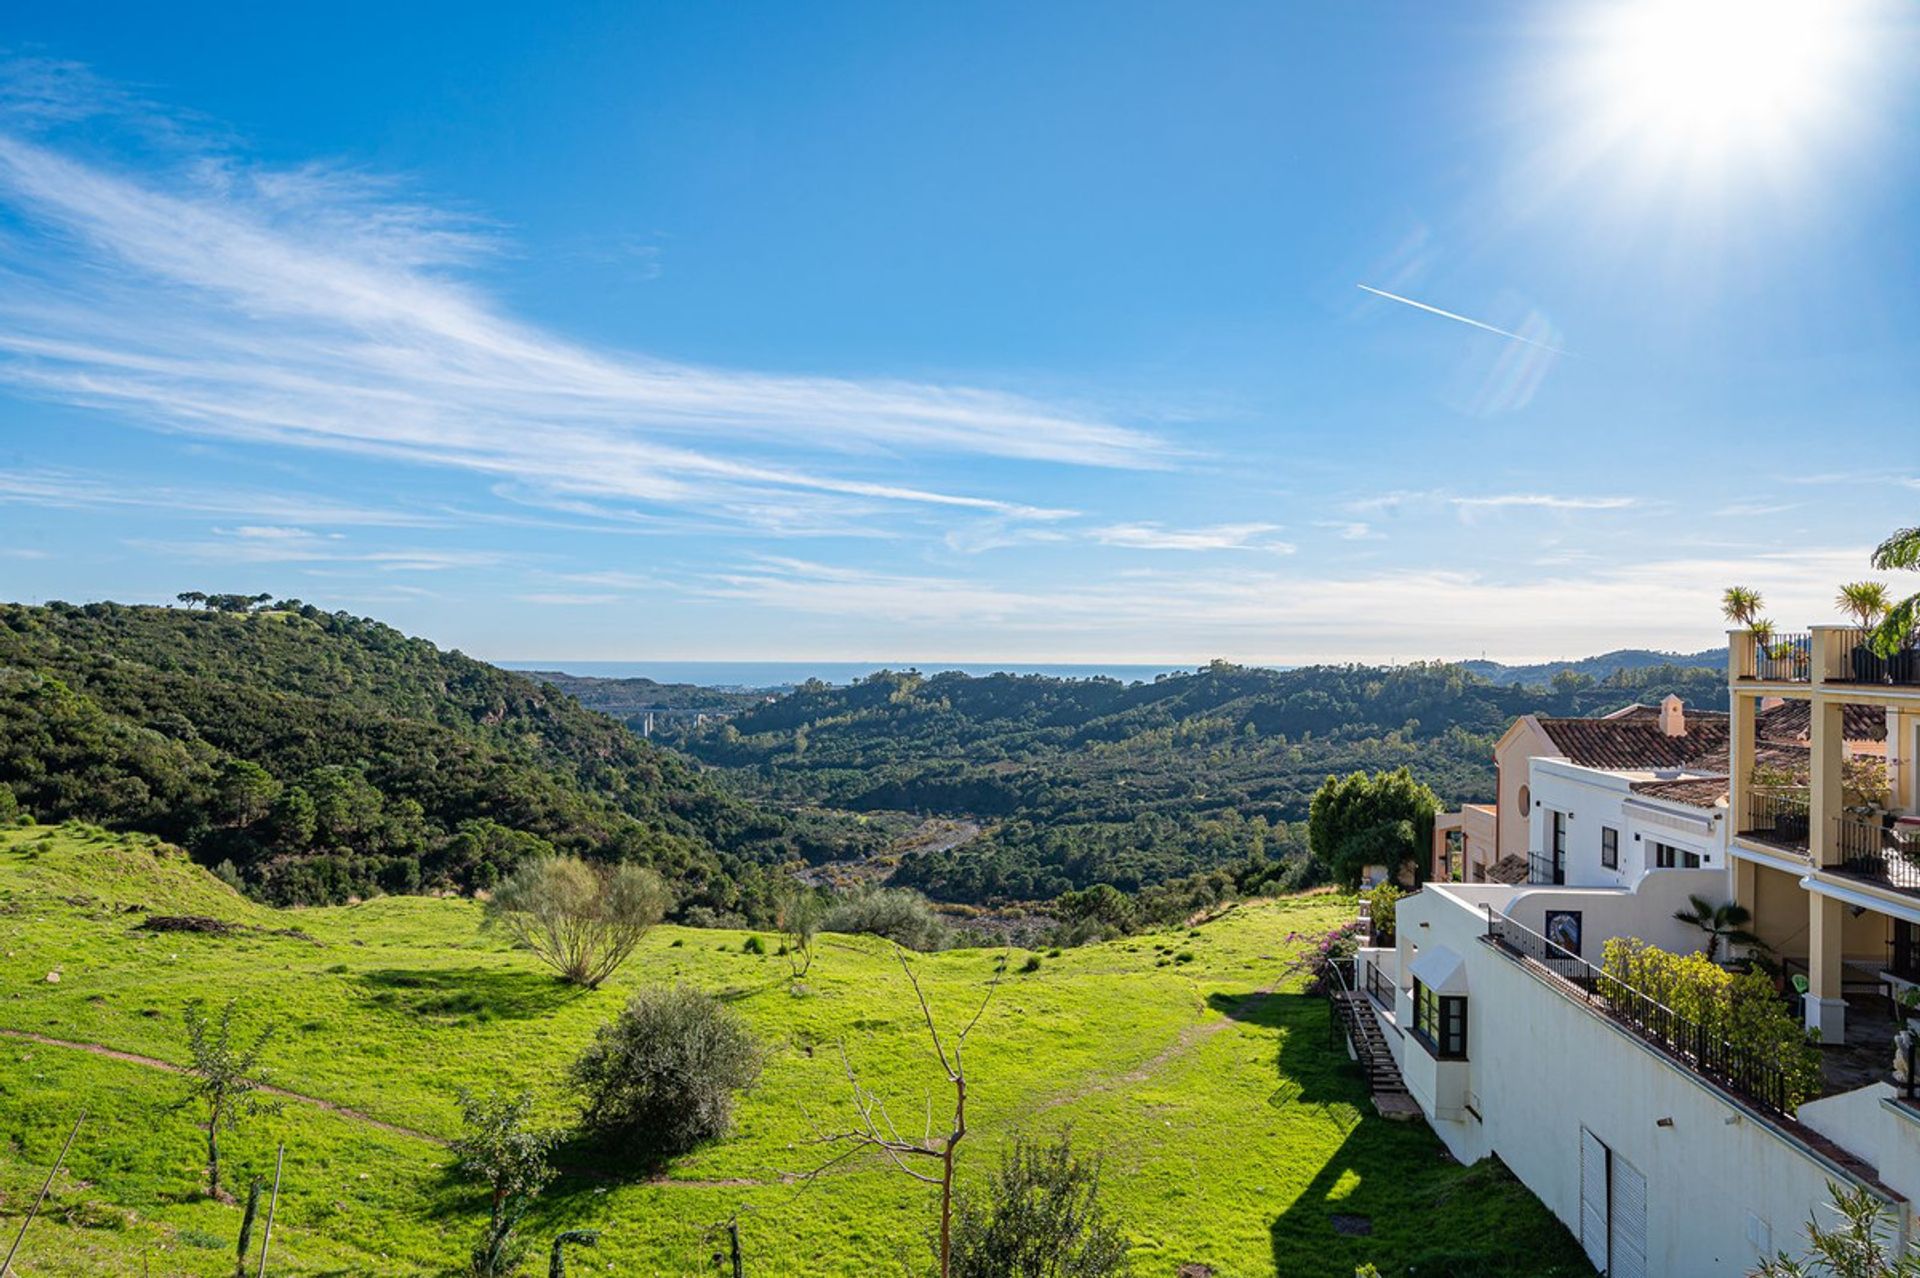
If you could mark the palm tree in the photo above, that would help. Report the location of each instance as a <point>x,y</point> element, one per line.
<point>1725,922</point>
<point>1740,605</point>
<point>1865,601</point>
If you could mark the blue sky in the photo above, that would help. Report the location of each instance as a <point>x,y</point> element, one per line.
<point>981,332</point>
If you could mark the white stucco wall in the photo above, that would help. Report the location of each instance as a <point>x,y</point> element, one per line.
<point>1541,1066</point>
<point>1594,800</point>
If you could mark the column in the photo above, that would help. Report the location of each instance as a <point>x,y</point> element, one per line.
<point>1826,801</point>
<point>1826,1009</point>
<point>1740,756</point>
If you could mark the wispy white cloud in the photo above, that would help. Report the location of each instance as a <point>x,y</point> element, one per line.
<point>322,309</point>
<point>62,489</point>
<point>1467,503</point>
<point>1542,501</point>
<point>1351,529</point>
<point>296,546</point>
<point>1153,536</point>
<point>564,600</point>
<point>1552,610</point>
<point>1753,509</point>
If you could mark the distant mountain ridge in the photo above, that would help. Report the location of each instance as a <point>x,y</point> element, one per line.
<point>1602,667</point>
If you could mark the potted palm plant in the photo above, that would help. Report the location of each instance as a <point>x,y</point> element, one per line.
<point>1741,605</point>
<point>1865,603</point>
<point>1724,924</point>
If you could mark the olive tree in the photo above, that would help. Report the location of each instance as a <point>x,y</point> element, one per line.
<point>581,920</point>
<point>1864,1244</point>
<point>660,1077</point>
<point>1039,1217</point>
<point>799,916</point>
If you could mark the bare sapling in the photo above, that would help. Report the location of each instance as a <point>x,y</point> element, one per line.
<point>929,1158</point>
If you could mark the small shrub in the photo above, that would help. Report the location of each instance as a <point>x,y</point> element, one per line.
<point>1742,1008</point>
<point>753,945</point>
<point>581,920</point>
<point>659,1079</point>
<point>1184,956</point>
<point>898,914</point>
<point>1032,964</point>
<point>499,1149</point>
<point>1040,1214</point>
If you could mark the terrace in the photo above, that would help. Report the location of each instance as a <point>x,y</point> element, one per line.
<point>1835,654</point>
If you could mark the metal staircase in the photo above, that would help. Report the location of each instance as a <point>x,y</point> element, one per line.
<point>1353,1013</point>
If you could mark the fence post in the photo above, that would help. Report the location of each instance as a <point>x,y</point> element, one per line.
<point>6,1266</point>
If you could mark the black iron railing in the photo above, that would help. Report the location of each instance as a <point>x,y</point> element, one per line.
<point>1777,658</point>
<point>1852,659</point>
<point>1781,816</point>
<point>1337,982</point>
<point>1379,988</point>
<point>1874,849</point>
<point>1541,869</point>
<point>1753,1076</point>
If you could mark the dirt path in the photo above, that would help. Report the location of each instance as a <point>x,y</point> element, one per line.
<point>347,1111</point>
<point>154,1062</point>
<point>1189,1038</point>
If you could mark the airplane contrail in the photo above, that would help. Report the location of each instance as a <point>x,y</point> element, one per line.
<point>1464,319</point>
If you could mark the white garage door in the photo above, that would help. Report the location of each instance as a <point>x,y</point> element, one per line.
<point>1593,1199</point>
<point>1628,1236</point>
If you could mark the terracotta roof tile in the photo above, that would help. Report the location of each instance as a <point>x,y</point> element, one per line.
<point>1793,721</point>
<point>1633,743</point>
<point>1695,792</point>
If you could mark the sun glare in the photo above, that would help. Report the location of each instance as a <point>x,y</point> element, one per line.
<point>1718,86</point>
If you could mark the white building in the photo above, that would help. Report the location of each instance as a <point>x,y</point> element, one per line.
<point>1664,1153</point>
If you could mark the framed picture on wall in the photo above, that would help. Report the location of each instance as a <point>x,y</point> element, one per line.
<point>1563,929</point>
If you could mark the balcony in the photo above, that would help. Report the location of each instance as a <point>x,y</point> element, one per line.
<point>1881,850</point>
<point>1773,658</point>
<point>1848,659</point>
<point>1541,869</point>
<point>1780,817</point>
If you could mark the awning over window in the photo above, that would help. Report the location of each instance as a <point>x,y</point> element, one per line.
<point>1440,970</point>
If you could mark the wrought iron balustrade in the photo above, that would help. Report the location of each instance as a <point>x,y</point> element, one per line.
<point>1747,1073</point>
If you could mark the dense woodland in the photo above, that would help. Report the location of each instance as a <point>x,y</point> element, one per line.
<point>1096,781</point>
<point>315,755</point>
<point>311,756</point>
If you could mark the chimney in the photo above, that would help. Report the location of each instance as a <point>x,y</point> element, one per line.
<point>1673,716</point>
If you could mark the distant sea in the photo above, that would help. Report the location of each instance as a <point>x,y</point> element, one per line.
<point>785,674</point>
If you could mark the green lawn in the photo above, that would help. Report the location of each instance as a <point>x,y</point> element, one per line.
<point>1232,1132</point>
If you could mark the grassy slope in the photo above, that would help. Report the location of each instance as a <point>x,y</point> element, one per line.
<point>1230,1134</point>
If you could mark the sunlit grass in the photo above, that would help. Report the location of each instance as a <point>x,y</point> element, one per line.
<point>1230,1129</point>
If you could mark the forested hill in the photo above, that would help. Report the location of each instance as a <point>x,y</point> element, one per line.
<point>1099,781</point>
<point>324,754</point>
<point>1601,667</point>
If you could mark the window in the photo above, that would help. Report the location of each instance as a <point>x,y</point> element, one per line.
<point>1609,847</point>
<point>1440,1022</point>
<point>1668,857</point>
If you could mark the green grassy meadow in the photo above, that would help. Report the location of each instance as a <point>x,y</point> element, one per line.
<point>1232,1132</point>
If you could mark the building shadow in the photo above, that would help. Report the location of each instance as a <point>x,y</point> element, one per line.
<point>1384,1192</point>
